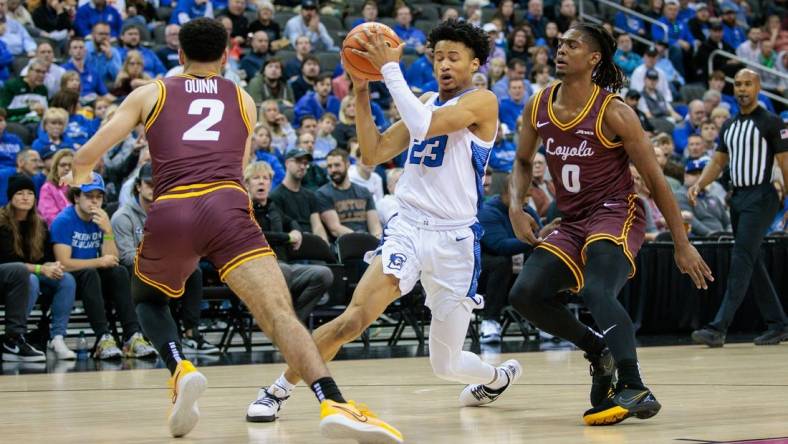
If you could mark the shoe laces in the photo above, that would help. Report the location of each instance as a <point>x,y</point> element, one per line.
<point>479,392</point>
<point>270,400</point>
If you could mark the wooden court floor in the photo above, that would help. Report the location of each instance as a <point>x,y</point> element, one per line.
<point>737,393</point>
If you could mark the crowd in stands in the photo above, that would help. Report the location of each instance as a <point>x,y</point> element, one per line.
<point>65,65</point>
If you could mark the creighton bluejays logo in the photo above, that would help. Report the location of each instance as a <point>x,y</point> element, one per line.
<point>396,261</point>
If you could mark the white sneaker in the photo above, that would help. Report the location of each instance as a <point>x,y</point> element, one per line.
<point>269,401</point>
<point>58,345</point>
<point>490,332</point>
<point>107,348</point>
<point>475,395</point>
<point>138,347</point>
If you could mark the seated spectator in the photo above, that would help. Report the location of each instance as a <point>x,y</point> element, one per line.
<point>131,75</point>
<point>699,25</point>
<point>127,225</point>
<point>365,176</point>
<point>261,150</point>
<point>84,244</point>
<point>769,58</point>
<point>25,98</point>
<point>283,136</point>
<point>54,197</point>
<point>515,69</point>
<point>15,37</point>
<point>499,244</point>
<point>690,125</point>
<point>10,145</point>
<point>324,140</point>
<point>308,124</point>
<point>542,191</point>
<point>413,38</point>
<point>388,205</point>
<point>15,286</point>
<point>497,71</point>
<point>305,82</point>
<point>316,175</point>
<point>141,12</point>
<point>296,201</point>
<point>713,43</point>
<point>709,214</point>
<point>662,160</point>
<point>502,157</point>
<point>749,49</point>
<point>260,51</point>
<point>168,54</point>
<point>518,43</point>
<point>131,41</point>
<point>421,73</point>
<point>102,57</point>
<point>303,48</point>
<point>632,99</point>
<point>96,11</point>
<point>191,9</point>
<point>307,283</point>
<point>677,39</point>
<point>319,101</point>
<point>711,100</point>
<point>653,104</point>
<point>91,83</point>
<point>480,81</point>
<point>511,108</point>
<point>369,13</point>
<point>28,163</point>
<point>719,116</point>
<point>6,58</point>
<point>638,79</point>
<point>307,23</point>
<point>732,33</point>
<point>344,206</point>
<point>696,149</point>
<point>79,128</point>
<point>52,140</point>
<point>46,55</point>
<point>24,238</point>
<point>265,22</point>
<point>235,11</point>
<point>709,133</point>
<point>535,17</point>
<point>506,14</point>
<point>628,22</point>
<point>673,74</point>
<point>52,18</point>
<point>625,57</point>
<point>346,127</point>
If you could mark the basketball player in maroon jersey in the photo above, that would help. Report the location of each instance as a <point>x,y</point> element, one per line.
<point>590,136</point>
<point>199,130</point>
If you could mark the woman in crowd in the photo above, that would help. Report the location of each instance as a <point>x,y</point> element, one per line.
<point>283,136</point>
<point>131,75</point>
<point>54,197</point>
<point>346,126</point>
<point>519,41</point>
<point>507,16</point>
<point>24,238</point>
<point>262,150</point>
<point>53,138</point>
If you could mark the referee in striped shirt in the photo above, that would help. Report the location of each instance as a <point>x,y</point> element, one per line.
<point>751,142</point>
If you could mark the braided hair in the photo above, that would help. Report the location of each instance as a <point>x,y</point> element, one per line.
<point>606,73</point>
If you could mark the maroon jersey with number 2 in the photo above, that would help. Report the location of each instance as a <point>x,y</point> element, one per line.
<point>594,189</point>
<point>197,134</point>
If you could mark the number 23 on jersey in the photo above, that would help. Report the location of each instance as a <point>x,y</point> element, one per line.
<point>429,152</point>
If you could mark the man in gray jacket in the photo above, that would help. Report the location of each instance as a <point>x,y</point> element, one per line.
<point>128,224</point>
<point>709,215</point>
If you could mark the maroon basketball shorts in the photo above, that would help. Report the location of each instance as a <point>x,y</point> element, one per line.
<point>618,220</point>
<point>189,222</point>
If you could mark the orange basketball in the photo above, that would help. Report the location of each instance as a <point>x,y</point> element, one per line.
<point>359,66</point>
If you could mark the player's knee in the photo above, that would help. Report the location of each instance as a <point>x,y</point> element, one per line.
<point>144,293</point>
<point>525,294</point>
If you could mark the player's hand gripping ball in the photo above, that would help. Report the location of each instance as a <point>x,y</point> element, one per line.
<point>357,65</point>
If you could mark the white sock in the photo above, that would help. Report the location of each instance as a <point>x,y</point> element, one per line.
<point>501,379</point>
<point>284,383</point>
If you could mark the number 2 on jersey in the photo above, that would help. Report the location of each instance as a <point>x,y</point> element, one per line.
<point>201,131</point>
<point>430,152</point>
<point>570,177</point>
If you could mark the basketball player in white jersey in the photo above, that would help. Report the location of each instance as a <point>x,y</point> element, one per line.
<point>435,236</point>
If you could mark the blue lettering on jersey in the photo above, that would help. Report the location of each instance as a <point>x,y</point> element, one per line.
<point>429,152</point>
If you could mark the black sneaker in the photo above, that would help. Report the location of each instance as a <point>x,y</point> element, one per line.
<point>603,375</point>
<point>16,349</point>
<point>621,404</point>
<point>709,336</point>
<point>772,337</point>
<point>198,345</point>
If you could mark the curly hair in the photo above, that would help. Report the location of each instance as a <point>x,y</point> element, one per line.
<point>465,33</point>
<point>203,39</point>
<point>606,73</point>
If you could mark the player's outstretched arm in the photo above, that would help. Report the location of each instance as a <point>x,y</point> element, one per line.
<point>130,112</point>
<point>622,121</point>
<point>523,224</point>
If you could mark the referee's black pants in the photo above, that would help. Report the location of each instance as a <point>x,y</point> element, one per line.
<point>752,211</point>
